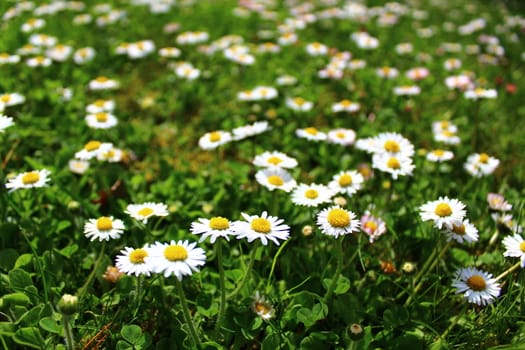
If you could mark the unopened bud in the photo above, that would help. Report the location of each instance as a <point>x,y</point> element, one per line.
<point>340,201</point>
<point>355,331</point>
<point>307,230</point>
<point>68,305</point>
<point>408,267</point>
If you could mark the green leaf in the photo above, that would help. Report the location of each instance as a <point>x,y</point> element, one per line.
<point>122,345</point>
<point>342,286</point>
<point>50,324</point>
<point>395,316</point>
<point>31,317</point>
<point>62,225</point>
<point>29,337</point>
<point>7,328</point>
<point>16,299</point>
<point>68,251</point>
<point>310,317</point>
<point>8,258</point>
<point>271,342</point>
<point>131,333</point>
<point>23,260</point>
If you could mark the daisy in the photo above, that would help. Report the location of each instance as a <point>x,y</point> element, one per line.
<point>444,125</point>
<point>104,228</point>
<point>134,261</point>
<point>12,99</point>
<point>84,18</point>
<point>42,40</point>
<point>59,53</point>
<point>100,106</point>
<point>169,52</point>
<point>394,165</point>
<point>269,47</point>
<point>285,80</point>
<point>142,212</point>
<point>446,213</point>
<point>274,159</point>
<point>176,258</point>
<point>356,64</point>
<point>141,49</point>
<point>311,134</point>
<point>214,228</point>
<point>477,286</point>
<point>439,155</point>
<point>417,73</point>
<point>481,164</point>
<point>31,179</point>
<point>6,58</point>
<point>311,195</point>
<point>92,149</point>
<point>330,73</point>
<point>497,202</point>
<point>263,227</point>
<point>452,63</point>
<point>461,82</point>
<point>214,139</point>
<point>5,122</point>
<point>262,307</point>
<point>101,120</point>
<point>245,131</point>
<point>340,136</point>
<point>393,144</point>
<point>84,55</point>
<point>78,166</point>
<point>345,106</point>
<point>465,232</point>
<point>480,93</point>
<point>111,155</point>
<point>28,49</point>
<point>372,226</point>
<point>347,182</point>
<point>336,221</point>
<point>367,42</point>
<point>190,38</point>
<point>506,221</point>
<point>316,49</point>
<point>515,247</point>
<point>299,104</point>
<point>275,178</point>
<point>103,83</point>
<point>32,24</point>
<point>287,39</point>
<point>447,137</point>
<point>264,93</point>
<point>407,90</point>
<point>187,71</point>
<point>39,61</point>
<point>387,72</point>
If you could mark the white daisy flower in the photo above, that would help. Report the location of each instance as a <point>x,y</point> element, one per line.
<point>187,71</point>
<point>444,125</point>
<point>262,307</point>
<point>214,139</point>
<point>387,72</point>
<point>264,93</point>
<point>214,228</point>
<point>407,90</point>
<point>274,159</point>
<point>263,227</point>
<point>316,49</point>
<point>84,55</point>
<point>393,144</point>
<point>336,221</point>
<point>311,195</point>
<point>12,99</point>
<point>78,166</point>
<point>394,165</point>
<point>6,58</point>
<point>169,52</point>
<point>92,149</point>
<point>311,134</point>
<point>299,104</point>
<point>344,137</point>
<point>39,61</point>
<point>111,155</point>
<point>176,258</point>
<point>284,80</point>
<point>134,261</point>
<point>104,228</point>
<point>31,179</point>
<point>481,164</point>
<point>142,212</point>
<point>347,182</point>
<point>497,202</point>
<point>515,247</point>
<point>101,120</point>
<point>439,155</point>
<point>59,53</point>
<point>477,286</point>
<point>446,213</point>
<point>462,233</point>
<point>5,122</point>
<point>356,64</point>
<point>480,93</point>
<point>275,178</point>
<point>447,137</point>
<point>100,106</point>
<point>345,106</point>
<point>245,131</point>
<point>103,83</point>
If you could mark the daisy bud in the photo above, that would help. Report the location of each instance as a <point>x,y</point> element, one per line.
<point>340,201</point>
<point>408,267</point>
<point>307,230</point>
<point>68,305</point>
<point>355,331</point>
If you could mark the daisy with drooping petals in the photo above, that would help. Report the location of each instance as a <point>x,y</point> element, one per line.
<point>274,159</point>
<point>311,195</point>
<point>372,226</point>
<point>31,179</point>
<point>515,247</point>
<point>262,307</point>
<point>336,221</point>
<point>104,228</point>
<point>445,212</point>
<point>481,164</point>
<point>347,182</point>
<point>176,258</point>
<point>439,155</point>
<point>142,212</point>
<point>311,134</point>
<point>465,232</point>
<point>275,178</point>
<point>5,122</point>
<point>214,228</point>
<point>134,261</point>
<point>341,136</point>
<point>497,202</point>
<point>263,227</point>
<point>477,286</point>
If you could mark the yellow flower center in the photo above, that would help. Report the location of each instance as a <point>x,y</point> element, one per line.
<point>345,180</point>
<point>484,158</point>
<point>338,218</point>
<point>99,103</point>
<point>4,55</point>
<point>391,146</point>
<point>219,223</point>
<point>443,209</point>
<point>393,163</point>
<point>459,230</point>
<point>101,117</point>
<point>275,180</point>
<point>32,21</point>
<point>438,152</point>
<point>477,283</point>
<point>371,225</point>
<point>30,178</point>
<point>299,101</point>
<point>104,223</point>
<point>261,308</point>
<point>311,194</point>
<point>5,98</point>
<point>215,136</point>
<point>522,246</point>
<point>346,103</point>
<point>145,211</point>
<point>175,253</point>
<point>311,131</point>
<point>385,70</point>
<point>137,256</point>
<point>40,59</point>
<point>92,145</point>
<point>340,135</point>
<point>448,133</point>
<point>444,124</point>
<point>101,79</point>
<point>261,225</point>
<point>274,160</point>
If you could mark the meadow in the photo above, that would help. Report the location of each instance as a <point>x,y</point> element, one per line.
<point>262,174</point>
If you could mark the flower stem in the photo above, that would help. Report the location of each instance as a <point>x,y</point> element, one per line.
<point>186,313</point>
<point>247,272</point>
<point>338,269</point>
<point>509,270</point>
<point>86,285</point>
<point>68,332</point>
<point>274,262</point>
<point>38,265</point>
<point>454,323</point>
<point>222,305</point>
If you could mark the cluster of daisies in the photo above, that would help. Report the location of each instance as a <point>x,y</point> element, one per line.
<point>448,215</point>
